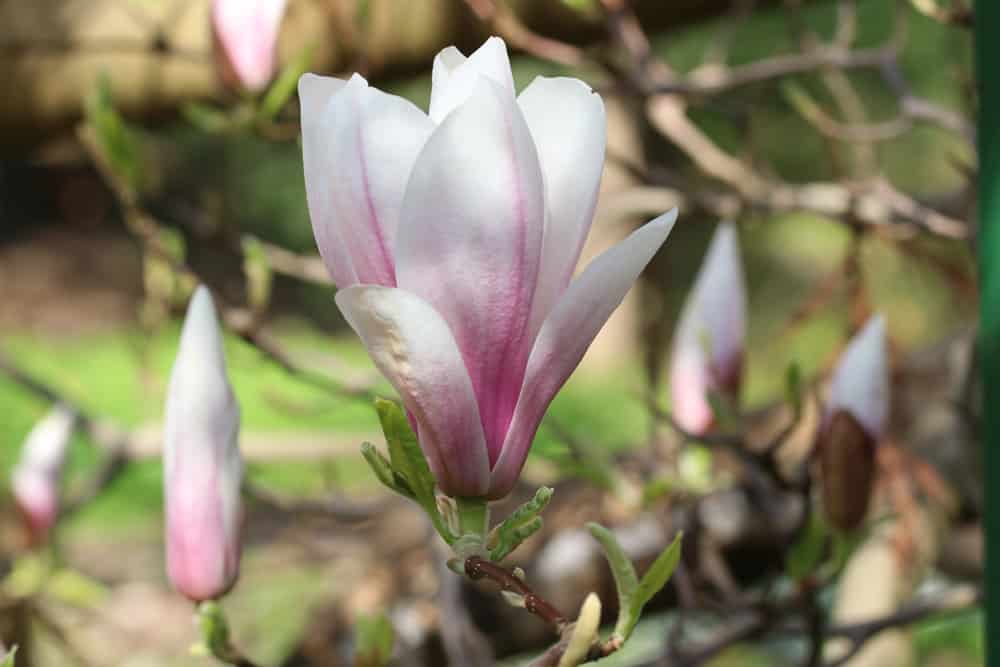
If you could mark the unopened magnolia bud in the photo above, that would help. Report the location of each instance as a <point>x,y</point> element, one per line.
<point>246,32</point>
<point>847,470</point>
<point>35,479</point>
<point>202,465</point>
<point>707,355</point>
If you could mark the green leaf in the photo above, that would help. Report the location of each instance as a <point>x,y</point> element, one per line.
<point>623,572</point>
<point>383,470</point>
<point>119,146</point>
<point>654,580</point>
<point>407,461</point>
<point>807,552</point>
<point>8,659</point>
<point>633,594</point>
<point>374,638</point>
<point>284,86</point>
<point>519,526</point>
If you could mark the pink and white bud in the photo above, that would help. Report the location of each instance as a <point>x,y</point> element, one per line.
<point>36,478</point>
<point>246,33</point>
<point>709,342</point>
<point>201,461</point>
<point>453,236</point>
<point>860,383</point>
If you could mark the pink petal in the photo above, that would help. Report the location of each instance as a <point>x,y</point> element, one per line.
<point>358,151</point>
<point>470,243</point>
<point>413,347</point>
<point>566,335</point>
<point>454,76</point>
<point>711,334</point>
<point>860,383</point>
<point>248,32</point>
<point>567,123</point>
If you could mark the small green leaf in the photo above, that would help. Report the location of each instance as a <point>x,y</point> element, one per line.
<point>623,572</point>
<point>519,526</point>
<point>383,470</point>
<point>407,461</point>
<point>284,86</point>
<point>8,659</point>
<point>374,639</point>
<point>207,119</point>
<point>258,273</point>
<point>118,144</point>
<point>214,629</point>
<point>807,552</point>
<point>654,580</point>
<point>633,594</point>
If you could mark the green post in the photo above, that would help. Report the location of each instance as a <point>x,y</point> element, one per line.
<point>987,63</point>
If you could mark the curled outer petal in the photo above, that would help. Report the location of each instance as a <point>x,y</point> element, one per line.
<point>202,463</point>
<point>359,146</point>
<point>412,346</point>
<point>566,335</point>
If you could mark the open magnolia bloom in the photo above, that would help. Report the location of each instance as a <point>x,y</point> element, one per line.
<point>36,478</point>
<point>710,338</point>
<point>453,237</point>
<point>202,467</point>
<point>247,32</point>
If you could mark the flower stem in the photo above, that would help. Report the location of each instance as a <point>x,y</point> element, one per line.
<point>473,517</point>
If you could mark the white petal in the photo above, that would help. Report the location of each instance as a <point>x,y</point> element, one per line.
<point>454,76</point>
<point>470,242</point>
<point>860,383</point>
<point>567,123</point>
<point>248,31</point>
<point>358,158</point>
<point>413,347</point>
<point>568,332</point>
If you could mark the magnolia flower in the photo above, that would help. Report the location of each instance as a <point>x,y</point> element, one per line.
<point>246,31</point>
<point>860,383</point>
<point>854,420</point>
<point>453,237</point>
<point>35,479</point>
<point>201,461</point>
<point>708,344</point>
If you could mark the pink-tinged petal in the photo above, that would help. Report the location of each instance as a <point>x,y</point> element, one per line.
<point>470,243</point>
<point>202,465</point>
<point>710,338</point>
<point>860,383</point>
<point>247,30</point>
<point>566,335</point>
<point>414,349</point>
<point>567,123</point>
<point>358,150</point>
<point>454,76</point>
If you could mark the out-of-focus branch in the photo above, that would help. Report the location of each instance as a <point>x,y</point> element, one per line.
<point>506,24</point>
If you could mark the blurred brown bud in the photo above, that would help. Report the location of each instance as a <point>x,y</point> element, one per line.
<point>847,470</point>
